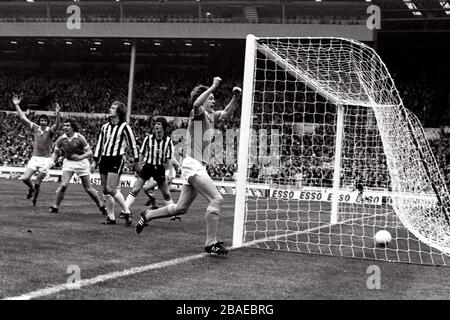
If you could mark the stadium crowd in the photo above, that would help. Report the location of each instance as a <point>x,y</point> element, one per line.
<point>305,159</point>
<point>89,89</point>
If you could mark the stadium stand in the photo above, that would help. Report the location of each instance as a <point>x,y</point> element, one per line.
<point>165,91</point>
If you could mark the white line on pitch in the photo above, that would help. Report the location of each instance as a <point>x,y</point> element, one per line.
<point>119,274</point>
<point>102,278</point>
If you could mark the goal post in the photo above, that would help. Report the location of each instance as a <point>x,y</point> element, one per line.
<point>244,140</point>
<point>362,158</point>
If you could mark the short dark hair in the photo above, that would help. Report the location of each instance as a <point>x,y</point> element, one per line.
<point>44,116</point>
<point>196,92</point>
<point>121,110</point>
<point>73,124</point>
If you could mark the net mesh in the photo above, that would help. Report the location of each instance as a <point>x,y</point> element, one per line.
<point>388,176</point>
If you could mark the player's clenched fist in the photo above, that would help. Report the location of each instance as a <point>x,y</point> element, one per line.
<point>16,99</point>
<point>216,82</point>
<point>237,91</point>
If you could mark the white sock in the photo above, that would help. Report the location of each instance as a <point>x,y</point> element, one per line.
<point>109,203</point>
<point>121,200</point>
<point>212,222</point>
<point>130,200</point>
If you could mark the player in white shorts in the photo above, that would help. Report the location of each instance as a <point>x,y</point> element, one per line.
<point>202,119</point>
<point>42,148</point>
<point>76,151</point>
<point>155,154</point>
<point>149,187</point>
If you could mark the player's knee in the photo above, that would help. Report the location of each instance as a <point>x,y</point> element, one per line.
<point>179,210</point>
<point>110,190</point>
<point>215,204</point>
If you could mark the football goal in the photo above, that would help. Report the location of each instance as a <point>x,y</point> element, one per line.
<point>336,155</point>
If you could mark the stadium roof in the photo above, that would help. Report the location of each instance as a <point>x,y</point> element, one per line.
<point>404,15</point>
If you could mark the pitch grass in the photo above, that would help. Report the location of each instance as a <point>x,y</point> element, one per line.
<point>37,247</point>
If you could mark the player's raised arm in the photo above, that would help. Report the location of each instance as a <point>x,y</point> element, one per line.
<point>227,113</point>
<point>202,98</point>
<point>16,101</point>
<point>57,124</point>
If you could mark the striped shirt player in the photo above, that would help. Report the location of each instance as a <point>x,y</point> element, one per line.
<point>156,153</point>
<point>113,142</point>
<point>202,119</point>
<point>76,151</point>
<point>112,145</point>
<point>42,148</point>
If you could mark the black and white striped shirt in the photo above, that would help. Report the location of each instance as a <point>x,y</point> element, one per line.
<point>157,151</point>
<point>114,140</point>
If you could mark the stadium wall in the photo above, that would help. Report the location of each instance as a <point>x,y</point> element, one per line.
<point>184,30</point>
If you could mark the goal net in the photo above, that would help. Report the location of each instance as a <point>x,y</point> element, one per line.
<point>336,157</point>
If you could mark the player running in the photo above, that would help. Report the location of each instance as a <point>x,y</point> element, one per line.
<point>156,153</point>
<point>114,139</point>
<point>76,151</point>
<point>202,118</point>
<point>42,148</point>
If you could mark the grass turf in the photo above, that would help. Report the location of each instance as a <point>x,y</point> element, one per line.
<point>38,247</point>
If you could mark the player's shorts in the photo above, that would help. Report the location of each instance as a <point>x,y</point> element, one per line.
<point>191,167</point>
<point>157,172</point>
<point>80,167</point>
<point>40,164</point>
<point>111,164</point>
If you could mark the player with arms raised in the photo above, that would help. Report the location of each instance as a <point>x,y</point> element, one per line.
<point>76,153</point>
<point>42,148</point>
<point>202,119</point>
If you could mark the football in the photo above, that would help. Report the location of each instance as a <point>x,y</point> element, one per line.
<point>383,238</point>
